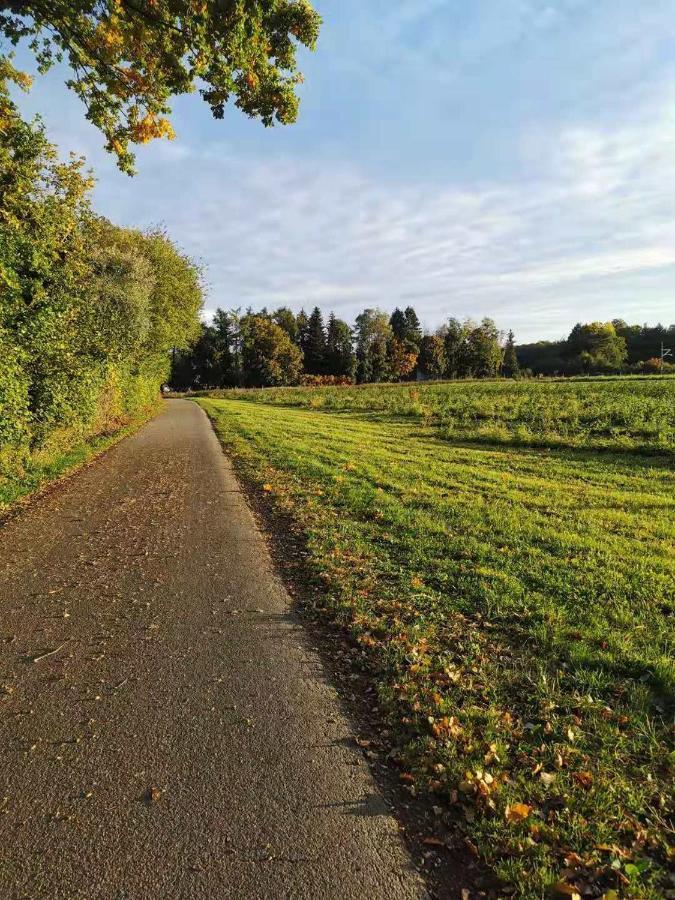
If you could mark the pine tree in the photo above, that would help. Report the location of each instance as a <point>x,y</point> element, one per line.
<point>315,349</point>
<point>413,329</point>
<point>340,358</point>
<point>510,366</point>
<point>399,324</point>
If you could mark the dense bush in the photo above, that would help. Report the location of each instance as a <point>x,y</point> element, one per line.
<point>326,381</point>
<point>89,312</point>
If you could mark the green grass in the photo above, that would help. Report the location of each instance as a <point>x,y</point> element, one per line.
<point>42,470</point>
<point>612,413</point>
<point>513,607</point>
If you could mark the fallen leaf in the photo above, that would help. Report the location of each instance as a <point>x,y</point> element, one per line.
<point>517,812</point>
<point>585,779</point>
<point>433,842</point>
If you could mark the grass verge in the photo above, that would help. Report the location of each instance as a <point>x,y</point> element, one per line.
<point>38,475</point>
<point>513,608</point>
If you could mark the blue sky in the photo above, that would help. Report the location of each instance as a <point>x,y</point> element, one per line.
<point>510,158</point>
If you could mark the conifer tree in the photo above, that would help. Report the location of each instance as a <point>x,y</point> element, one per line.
<point>510,366</point>
<point>315,347</point>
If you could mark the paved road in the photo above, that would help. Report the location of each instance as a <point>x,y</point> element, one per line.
<point>180,677</point>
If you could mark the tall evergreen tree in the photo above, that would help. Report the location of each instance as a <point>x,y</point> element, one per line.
<point>510,367</point>
<point>399,325</point>
<point>315,347</point>
<point>413,329</point>
<point>340,357</point>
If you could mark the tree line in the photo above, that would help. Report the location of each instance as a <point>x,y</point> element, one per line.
<point>263,349</point>
<point>603,348</point>
<point>89,311</point>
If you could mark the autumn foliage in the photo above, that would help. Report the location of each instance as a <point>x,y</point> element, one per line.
<point>128,58</point>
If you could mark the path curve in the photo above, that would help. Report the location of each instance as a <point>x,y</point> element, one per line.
<point>178,675</point>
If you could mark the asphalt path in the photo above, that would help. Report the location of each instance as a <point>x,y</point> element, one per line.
<point>166,730</point>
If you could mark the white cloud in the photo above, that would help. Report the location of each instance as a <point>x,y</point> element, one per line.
<point>274,232</point>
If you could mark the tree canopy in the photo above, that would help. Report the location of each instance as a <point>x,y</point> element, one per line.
<point>128,58</point>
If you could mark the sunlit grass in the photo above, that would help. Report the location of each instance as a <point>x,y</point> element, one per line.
<point>514,608</point>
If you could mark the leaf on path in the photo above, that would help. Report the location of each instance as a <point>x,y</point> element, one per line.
<point>433,841</point>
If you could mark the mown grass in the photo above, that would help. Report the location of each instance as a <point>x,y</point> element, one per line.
<point>611,413</point>
<point>514,609</point>
<point>41,470</point>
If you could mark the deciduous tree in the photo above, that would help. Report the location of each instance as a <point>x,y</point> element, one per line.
<point>128,58</point>
<point>432,357</point>
<point>270,357</point>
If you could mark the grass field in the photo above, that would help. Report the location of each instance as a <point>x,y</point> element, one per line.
<point>512,604</point>
<point>613,413</point>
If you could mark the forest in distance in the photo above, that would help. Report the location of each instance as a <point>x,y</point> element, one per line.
<point>281,348</point>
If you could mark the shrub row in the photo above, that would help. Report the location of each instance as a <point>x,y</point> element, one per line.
<point>89,312</point>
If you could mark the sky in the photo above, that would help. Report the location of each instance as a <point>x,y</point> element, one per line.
<point>504,158</point>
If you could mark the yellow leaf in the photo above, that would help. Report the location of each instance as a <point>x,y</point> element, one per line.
<point>517,812</point>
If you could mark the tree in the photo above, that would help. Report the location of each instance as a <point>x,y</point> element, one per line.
<point>510,366</point>
<point>399,325</point>
<point>406,326</point>
<point>413,329</point>
<point>340,358</point>
<point>302,323</point>
<point>372,333</point>
<point>484,349</point>
<point>315,344</point>
<point>402,359</point>
<point>130,57</point>
<point>432,357</point>
<point>270,358</point>
<point>89,313</point>
<point>456,348</point>
<point>597,347</point>
<point>284,318</point>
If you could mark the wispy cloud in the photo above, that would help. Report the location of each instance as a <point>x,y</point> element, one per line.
<point>281,231</point>
<point>512,158</point>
